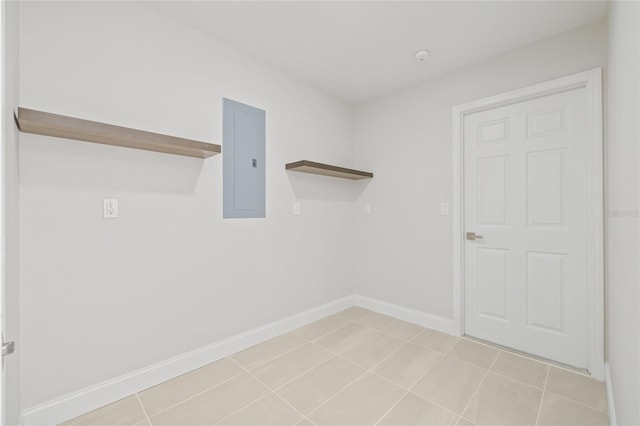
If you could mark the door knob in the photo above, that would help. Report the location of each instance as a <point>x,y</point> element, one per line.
<point>473,236</point>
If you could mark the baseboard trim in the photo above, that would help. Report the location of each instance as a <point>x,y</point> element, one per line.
<point>72,405</point>
<point>610,399</point>
<point>434,322</point>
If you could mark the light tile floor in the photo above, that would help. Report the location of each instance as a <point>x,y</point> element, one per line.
<point>362,368</point>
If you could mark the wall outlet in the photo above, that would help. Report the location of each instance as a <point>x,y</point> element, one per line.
<point>444,209</point>
<point>110,208</point>
<point>367,209</point>
<point>296,209</point>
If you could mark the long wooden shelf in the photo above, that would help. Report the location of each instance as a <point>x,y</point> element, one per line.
<point>327,170</point>
<point>61,126</point>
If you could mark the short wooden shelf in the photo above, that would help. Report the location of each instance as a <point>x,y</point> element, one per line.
<point>327,170</point>
<point>61,126</point>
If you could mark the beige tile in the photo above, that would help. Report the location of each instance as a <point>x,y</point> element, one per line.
<point>521,368</point>
<point>577,387</point>
<point>435,340</point>
<point>127,411</point>
<point>320,327</point>
<point>558,411</point>
<point>342,337</point>
<point>375,320</point>
<point>403,330</point>
<point>263,352</point>
<point>464,422</point>
<point>171,392</point>
<point>407,365</point>
<point>372,348</point>
<point>280,370</point>
<point>270,410</point>
<point>304,422</point>
<point>353,313</point>
<point>502,401</point>
<point>361,403</point>
<point>475,353</point>
<point>308,391</point>
<point>214,404</point>
<point>413,410</point>
<point>144,422</point>
<point>450,383</point>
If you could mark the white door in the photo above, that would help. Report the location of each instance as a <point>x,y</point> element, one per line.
<point>525,197</point>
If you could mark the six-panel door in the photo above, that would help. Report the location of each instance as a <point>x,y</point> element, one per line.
<point>526,196</point>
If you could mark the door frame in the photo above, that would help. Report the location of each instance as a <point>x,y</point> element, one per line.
<point>592,81</point>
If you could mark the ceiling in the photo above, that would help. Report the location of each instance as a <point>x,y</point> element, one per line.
<point>361,49</point>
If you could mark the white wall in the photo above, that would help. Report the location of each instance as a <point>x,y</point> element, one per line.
<point>623,204</point>
<point>10,227</point>
<point>404,247</point>
<point>101,298</point>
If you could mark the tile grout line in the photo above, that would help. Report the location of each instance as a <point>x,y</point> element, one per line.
<point>143,409</point>
<point>549,366</point>
<point>407,391</point>
<point>235,376</point>
<point>577,402</point>
<point>260,364</point>
<point>321,335</point>
<point>275,390</point>
<point>544,388</point>
<point>402,342</point>
<point>307,341</point>
<point>272,391</point>
<point>370,329</point>
<point>517,381</point>
<point>364,372</point>
<point>380,329</point>
<point>308,370</point>
<point>466,407</point>
<point>447,353</point>
<point>393,352</point>
<point>335,354</point>
<point>370,370</point>
<point>391,408</point>
<point>260,398</point>
<point>427,371</point>
<point>530,357</point>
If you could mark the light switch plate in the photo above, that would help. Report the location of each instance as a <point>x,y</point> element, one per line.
<point>296,209</point>
<point>110,208</point>
<point>444,209</point>
<point>367,209</point>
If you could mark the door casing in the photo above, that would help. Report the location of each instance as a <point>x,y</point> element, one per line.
<point>592,81</point>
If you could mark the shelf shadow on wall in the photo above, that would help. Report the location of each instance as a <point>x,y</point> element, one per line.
<point>47,162</point>
<point>307,186</point>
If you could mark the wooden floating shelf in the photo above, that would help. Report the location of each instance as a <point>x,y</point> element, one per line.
<point>61,126</point>
<point>327,170</point>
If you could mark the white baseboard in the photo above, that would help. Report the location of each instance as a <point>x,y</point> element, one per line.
<point>610,400</point>
<point>72,405</point>
<point>434,322</point>
<point>77,403</point>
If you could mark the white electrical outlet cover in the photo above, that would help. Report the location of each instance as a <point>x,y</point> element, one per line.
<point>444,209</point>
<point>296,209</point>
<point>110,208</point>
<point>367,209</point>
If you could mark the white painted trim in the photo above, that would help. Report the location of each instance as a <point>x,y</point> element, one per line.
<point>72,405</point>
<point>3,107</point>
<point>434,322</point>
<point>610,400</point>
<point>592,81</point>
